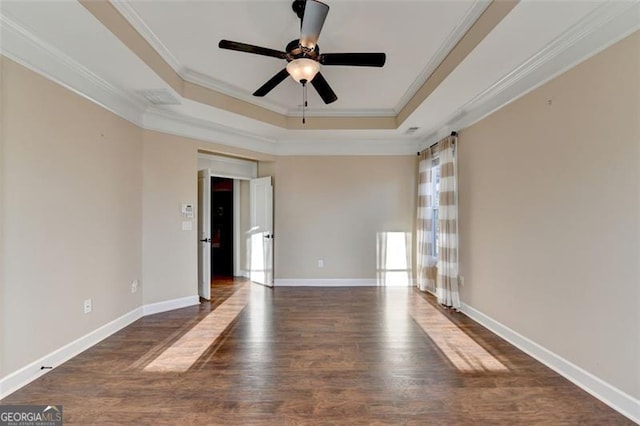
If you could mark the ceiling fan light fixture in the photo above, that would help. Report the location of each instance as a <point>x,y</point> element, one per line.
<point>303,69</point>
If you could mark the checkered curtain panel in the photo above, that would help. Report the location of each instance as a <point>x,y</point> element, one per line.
<point>447,282</point>
<point>426,261</point>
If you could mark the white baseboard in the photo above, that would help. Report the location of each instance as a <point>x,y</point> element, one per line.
<point>620,401</point>
<point>32,371</point>
<point>326,282</point>
<point>169,305</point>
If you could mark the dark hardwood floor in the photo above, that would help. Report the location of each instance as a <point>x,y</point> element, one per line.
<point>223,287</point>
<point>311,356</point>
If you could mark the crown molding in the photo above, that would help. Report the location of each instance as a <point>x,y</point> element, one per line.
<point>329,147</point>
<point>141,27</point>
<point>208,131</point>
<point>321,112</point>
<point>195,128</point>
<point>212,83</point>
<point>477,8</point>
<point>22,46</point>
<point>600,29</point>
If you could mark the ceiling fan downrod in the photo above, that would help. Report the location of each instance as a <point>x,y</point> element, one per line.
<point>298,8</point>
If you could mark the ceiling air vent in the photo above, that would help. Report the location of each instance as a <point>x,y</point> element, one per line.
<point>160,97</point>
<point>411,130</point>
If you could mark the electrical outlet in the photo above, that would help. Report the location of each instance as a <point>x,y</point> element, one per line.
<point>87,306</point>
<point>320,263</point>
<point>134,286</point>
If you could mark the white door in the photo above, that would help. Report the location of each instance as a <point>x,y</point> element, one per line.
<point>261,233</point>
<point>204,234</point>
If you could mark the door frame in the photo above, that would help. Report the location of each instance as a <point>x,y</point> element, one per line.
<point>237,169</point>
<point>237,238</point>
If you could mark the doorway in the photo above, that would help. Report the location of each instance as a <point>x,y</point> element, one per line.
<point>234,209</point>
<point>222,228</point>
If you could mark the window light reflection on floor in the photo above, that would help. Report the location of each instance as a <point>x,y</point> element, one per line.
<point>181,355</point>
<point>461,350</point>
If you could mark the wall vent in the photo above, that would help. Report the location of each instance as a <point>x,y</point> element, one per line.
<point>160,97</point>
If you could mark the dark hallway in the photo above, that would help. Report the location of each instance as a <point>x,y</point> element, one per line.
<point>221,227</point>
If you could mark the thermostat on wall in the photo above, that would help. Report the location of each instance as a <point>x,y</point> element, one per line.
<point>187,210</point>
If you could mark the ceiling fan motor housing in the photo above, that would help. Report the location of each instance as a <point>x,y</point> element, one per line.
<point>296,51</point>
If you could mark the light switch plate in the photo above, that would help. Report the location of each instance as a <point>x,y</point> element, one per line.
<point>187,225</point>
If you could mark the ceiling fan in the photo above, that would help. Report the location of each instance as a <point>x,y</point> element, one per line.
<point>303,55</point>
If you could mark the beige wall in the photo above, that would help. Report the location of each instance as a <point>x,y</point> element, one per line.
<point>71,216</point>
<point>331,208</point>
<point>549,215</point>
<point>88,203</point>
<point>170,256</point>
<point>2,161</point>
<point>169,259</point>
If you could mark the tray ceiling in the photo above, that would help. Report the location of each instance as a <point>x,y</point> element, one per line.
<point>113,52</point>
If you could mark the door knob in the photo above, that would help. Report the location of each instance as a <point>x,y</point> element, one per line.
<point>206,240</point>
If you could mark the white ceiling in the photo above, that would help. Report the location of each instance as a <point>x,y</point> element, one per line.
<point>536,40</point>
<point>190,32</point>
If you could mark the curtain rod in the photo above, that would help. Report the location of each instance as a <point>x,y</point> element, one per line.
<point>432,145</point>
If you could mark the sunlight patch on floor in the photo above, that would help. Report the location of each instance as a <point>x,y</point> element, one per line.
<point>397,324</point>
<point>461,350</point>
<point>180,356</point>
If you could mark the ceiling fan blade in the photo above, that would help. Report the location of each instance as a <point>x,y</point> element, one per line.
<point>249,48</point>
<point>323,89</point>
<point>272,83</point>
<point>354,59</point>
<point>315,13</point>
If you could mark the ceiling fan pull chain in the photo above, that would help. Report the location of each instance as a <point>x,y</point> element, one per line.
<point>304,102</point>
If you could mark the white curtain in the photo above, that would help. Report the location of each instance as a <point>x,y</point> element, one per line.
<point>447,282</point>
<point>425,253</point>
